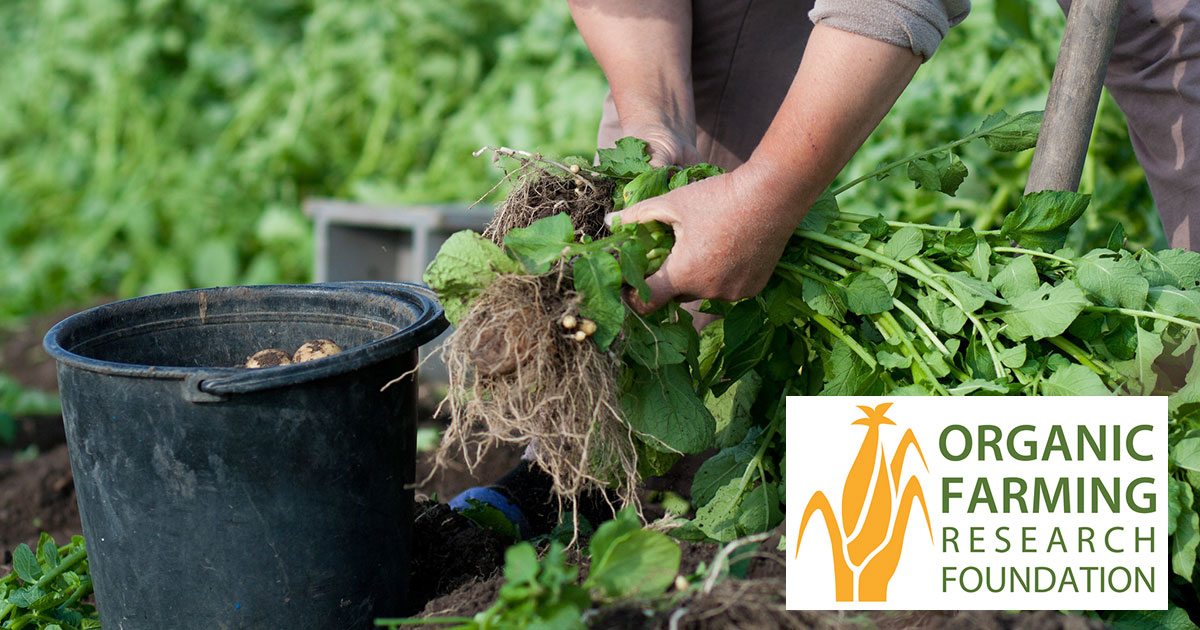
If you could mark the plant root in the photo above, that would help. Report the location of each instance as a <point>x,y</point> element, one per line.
<point>518,376</point>
<point>540,193</point>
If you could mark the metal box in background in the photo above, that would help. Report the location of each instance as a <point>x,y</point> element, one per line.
<point>358,241</point>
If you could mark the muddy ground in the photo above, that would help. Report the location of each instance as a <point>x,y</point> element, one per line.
<point>37,494</point>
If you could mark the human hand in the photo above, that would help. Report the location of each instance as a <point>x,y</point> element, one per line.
<point>670,142</point>
<point>729,234</point>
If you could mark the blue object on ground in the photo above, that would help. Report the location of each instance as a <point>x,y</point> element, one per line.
<point>495,499</point>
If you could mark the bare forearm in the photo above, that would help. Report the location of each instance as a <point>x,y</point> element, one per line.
<point>844,86</point>
<point>644,48</point>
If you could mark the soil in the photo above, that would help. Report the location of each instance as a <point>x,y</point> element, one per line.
<point>456,566</point>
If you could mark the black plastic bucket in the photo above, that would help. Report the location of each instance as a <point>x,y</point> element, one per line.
<point>220,497</point>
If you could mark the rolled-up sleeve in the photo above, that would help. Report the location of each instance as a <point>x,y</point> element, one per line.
<point>918,25</point>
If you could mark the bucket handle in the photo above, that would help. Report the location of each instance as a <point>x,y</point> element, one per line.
<point>210,387</point>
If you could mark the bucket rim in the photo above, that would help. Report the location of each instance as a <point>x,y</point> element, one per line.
<point>428,324</point>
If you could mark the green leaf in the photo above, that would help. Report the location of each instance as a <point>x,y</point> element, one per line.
<point>1175,302</point>
<point>654,346</point>
<point>1013,357</point>
<point>1116,238</point>
<point>651,183</point>
<point>651,462</point>
<point>1003,132</point>
<point>823,212</point>
<point>1074,380</point>
<point>980,262</point>
<point>1042,219</point>
<point>893,361</point>
<point>598,281</point>
<point>875,226</point>
<point>1174,618</point>
<point>1147,348</point>
<point>1046,312</point>
<point>464,266</point>
<point>25,564</point>
<point>47,551</point>
<point>1018,277</point>
<point>694,173</point>
<point>663,406</point>
<point>759,510</point>
<point>904,244</point>
<point>731,410</point>
<point>626,160</point>
<point>943,315</point>
<point>1121,340</point>
<point>971,292</point>
<point>943,172</point>
<point>1186,453</point>
<point>607,534</point>
<point>867,294</point>
<point>520,563</point>
<point>847,375</point>
<point>641,563</point>
<point>1179,495</point>
<point>961,243</point>
<point>826,299</point>
<point>1184,542</point>
<point>1114,280</point>
<point>632,260</point>
<point>540,244</point>
<point>488,517</point>
<point>727,465</point>
<point>1179,268</point>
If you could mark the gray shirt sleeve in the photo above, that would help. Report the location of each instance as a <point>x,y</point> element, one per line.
<point>918,25</point>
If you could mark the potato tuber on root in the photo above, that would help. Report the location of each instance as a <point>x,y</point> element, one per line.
<point>271,357</point>
<point>315,349</point>
<point>518,376</point>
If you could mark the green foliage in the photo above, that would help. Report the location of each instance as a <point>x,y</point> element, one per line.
<point>17,401</point>
<point>160,145</point>
<point>627,562</point>
<point>45,589</point>
<point>466,264</point>
<point>862,305</point>
<point>488,517</point>
<point>1001,56</point>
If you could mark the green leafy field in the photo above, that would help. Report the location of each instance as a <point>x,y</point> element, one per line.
<point>159,145</point>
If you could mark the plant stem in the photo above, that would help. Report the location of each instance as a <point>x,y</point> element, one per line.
<point>836,331</point>
<point>1077,353</point>
<point>1187,323</point>
<point>921,325</point>
<point>66,564</point>
<point>916,156</point>
<point>1032,252</point>
<point>853,217</point>
<point>537,157</point>
<point>921,276</point>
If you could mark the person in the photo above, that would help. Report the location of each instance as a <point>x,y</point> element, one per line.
<point>781,93</point>
<point>782,103</point>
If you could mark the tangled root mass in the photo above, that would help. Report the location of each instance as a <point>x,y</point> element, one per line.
<point>518,376</point>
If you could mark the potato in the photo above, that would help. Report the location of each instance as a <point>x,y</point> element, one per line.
<point>271,357</point>
<point>315,349</point>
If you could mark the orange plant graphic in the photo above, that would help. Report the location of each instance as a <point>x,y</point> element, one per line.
<point>862,547</point>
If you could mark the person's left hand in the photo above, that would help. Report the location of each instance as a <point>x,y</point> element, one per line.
<point>729,234</point>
